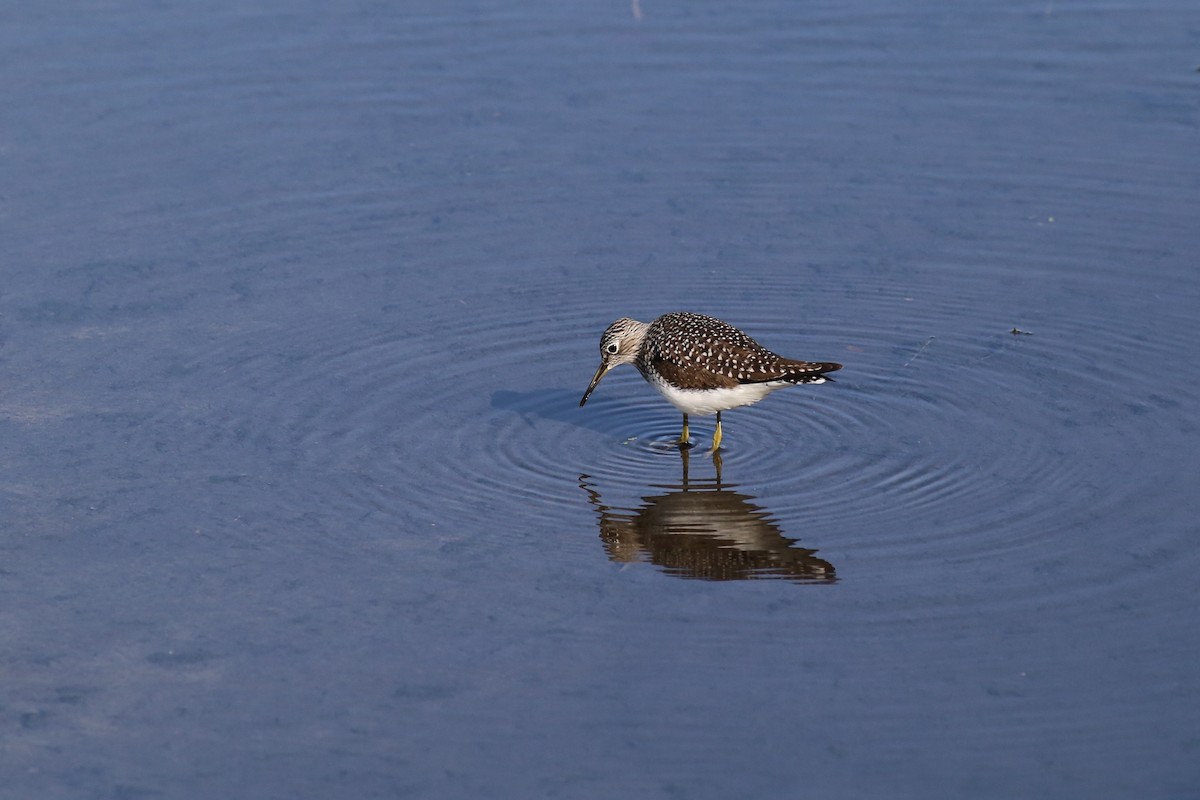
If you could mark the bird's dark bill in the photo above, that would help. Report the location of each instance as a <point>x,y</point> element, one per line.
<point>591,386</point>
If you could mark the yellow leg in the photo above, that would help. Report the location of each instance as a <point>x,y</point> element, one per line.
<point>685,435</point>
<point>717,433</point>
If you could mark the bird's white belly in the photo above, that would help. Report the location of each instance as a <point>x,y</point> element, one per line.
<point>710,401</point>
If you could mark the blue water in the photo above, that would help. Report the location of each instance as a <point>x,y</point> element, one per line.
<point>297,304</point>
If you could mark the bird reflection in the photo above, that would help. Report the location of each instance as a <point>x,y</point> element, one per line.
<point>702,529</point>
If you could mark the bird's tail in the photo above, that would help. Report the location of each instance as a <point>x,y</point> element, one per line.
<point>810,371</point>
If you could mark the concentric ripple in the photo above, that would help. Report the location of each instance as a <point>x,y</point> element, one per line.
<point>946,432</point>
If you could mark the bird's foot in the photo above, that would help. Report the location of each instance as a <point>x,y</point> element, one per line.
<point>716,444</point>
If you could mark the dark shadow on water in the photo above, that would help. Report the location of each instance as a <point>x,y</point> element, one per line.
<point>549,403</point>
<point>560,405</point>
<point>703,529</point>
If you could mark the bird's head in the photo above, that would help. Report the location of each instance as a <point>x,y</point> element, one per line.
<point>619,345</point>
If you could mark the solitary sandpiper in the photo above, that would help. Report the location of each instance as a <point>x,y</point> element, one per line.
<point>700,364</point>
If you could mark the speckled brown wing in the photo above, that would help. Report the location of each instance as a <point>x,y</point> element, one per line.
<point>687,377</point>
<point>694,351</point>
<point>790,370</point>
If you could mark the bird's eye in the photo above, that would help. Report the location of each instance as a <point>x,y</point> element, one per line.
<point>611,348</point>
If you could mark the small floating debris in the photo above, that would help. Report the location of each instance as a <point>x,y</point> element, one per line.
<point>919,351</point>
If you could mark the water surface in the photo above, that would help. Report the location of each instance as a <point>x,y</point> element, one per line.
<point>298,305</point>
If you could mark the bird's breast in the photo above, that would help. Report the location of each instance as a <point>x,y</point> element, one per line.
<point>709,401</point>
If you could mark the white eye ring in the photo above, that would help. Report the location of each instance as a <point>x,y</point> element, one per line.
<point>611,348</point>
